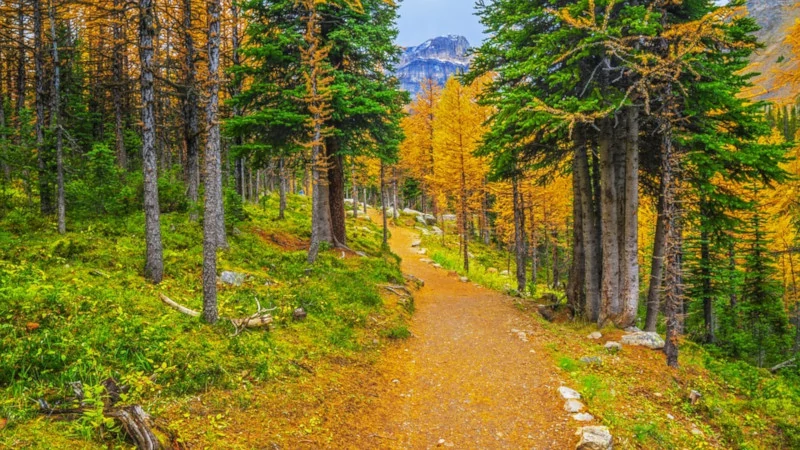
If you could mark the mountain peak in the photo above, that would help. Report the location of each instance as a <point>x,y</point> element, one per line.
<point>437,58</point>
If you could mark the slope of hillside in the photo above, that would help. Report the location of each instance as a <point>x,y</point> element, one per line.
<point>774,17</point>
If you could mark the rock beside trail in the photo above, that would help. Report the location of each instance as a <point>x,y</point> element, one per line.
<point>423,251</point>
<point>411,212</point>
<point>596,335</point>
<point>568,394</point>
<point>583,417</point>
<point>613,347</point>
<point>437,265</point>
<point>594,438</point>
<point>573,406</point>
<point>647,339</point>
<point>416,243</point>
<point>299,314</point>
<point>437,231</point>
<point>464,279</point>
<point>232,278</point>
<point>592,360</point>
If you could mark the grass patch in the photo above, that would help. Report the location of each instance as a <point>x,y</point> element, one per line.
<point>76,308</point>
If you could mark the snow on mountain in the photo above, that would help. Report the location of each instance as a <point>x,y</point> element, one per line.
<point>438,58</point>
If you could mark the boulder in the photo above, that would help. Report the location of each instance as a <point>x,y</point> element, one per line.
<point>232,278</point>
<point>437,266</point>
<point>429,219</point>
<point>464,279</point>
<point>568,394</point>
<point>411,212</point>
<point>592,360</point>
<point>583,417</point>
<point>594,438</point>
<point>505,273</point>
<point>595,335</point>
<point>423,251</point>
<point>421,219</point>
<point>647,339</point>
<point>573,406</point>
<point>632,330</point>
<point>437,231</point>
<point>416,243</point>
<point>613,347</point>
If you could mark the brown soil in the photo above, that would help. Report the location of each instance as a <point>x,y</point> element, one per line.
<point>464,377</point>
<point>282,240</point>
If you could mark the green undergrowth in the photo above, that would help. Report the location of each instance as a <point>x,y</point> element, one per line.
<point>646,405</point>
<point>76,308</point>
<point>488,266</point>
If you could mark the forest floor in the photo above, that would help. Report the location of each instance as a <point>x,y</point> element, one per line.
<point>471,368</point>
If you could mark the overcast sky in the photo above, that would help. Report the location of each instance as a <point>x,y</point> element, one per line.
<point>421,20</point>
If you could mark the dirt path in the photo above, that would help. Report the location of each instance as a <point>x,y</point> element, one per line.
<point>465,377</point>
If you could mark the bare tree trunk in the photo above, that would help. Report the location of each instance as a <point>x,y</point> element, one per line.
<point>629,275</point>
<point>336,193</point>
<point>395,214</point>
<point>45,197</point>
<point>610,220</point>
<point>656,268</point>
<point>55,122</point>
<point>365,200</point>
<point>119,85</point>
<point>21,72</point>
<point>519,236</point>
<point>283,183</point>
<point>591,240</point>
<point>464,230</point>
<point>213,216</point>
<point>190,100</point>
<point>355,188</point>
<point>673,297</point>
<point>154,265</point>
<point>385,242</point>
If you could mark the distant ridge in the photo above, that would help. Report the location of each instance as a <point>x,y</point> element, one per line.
<point>438,58</point>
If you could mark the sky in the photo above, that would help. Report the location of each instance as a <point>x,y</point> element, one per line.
<point>421,20</point>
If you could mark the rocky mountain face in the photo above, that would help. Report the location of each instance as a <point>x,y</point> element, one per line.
<point>438,58</point>
<point>775,17</point>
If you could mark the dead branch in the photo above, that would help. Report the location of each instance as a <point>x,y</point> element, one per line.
<point>394,288</point>
<point>180,308</point>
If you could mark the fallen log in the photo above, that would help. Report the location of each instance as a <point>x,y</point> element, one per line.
<point>134,420</point>
<point>783,365</point>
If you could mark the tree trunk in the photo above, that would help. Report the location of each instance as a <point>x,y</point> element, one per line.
<point>395,213</point>
<point>705,274</point>
<point>154,265</point>
<point>190,99</point>
<point>21,72</point>
<point>119,86</point>
<point>656,267</point>
<point>355,187</point>
<point>556,261</point>
<point>45,197</point>
<point>610,226</point>
<point>336,191</point>
<point>629,280</point>
<point>591,240</point>
<point>385,242</point>
<point>463,207</point>
<point>55,123</point>
<point>673,295</point>
<point>519,237</point>
<point>365,200</point>
<point>282,174</point>
<point>213,217</point>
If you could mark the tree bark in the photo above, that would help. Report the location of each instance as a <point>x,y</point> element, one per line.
<point>610,226</point>
<point>45,196</point>
<point>119,85</point>
<point>673,295</point>
<point>283,183</point>
<point>190,99</point>
<point>336,191</point>
<point>519,237</point>
<point>656,267</point>
<point>154,265</point>
<point>591,240</point>
<point>385,241</point>
<point>395,213</point>
<point>55,122</point>
<point>354,187</point>
<point>213,218</point>
<point>629,281</point>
